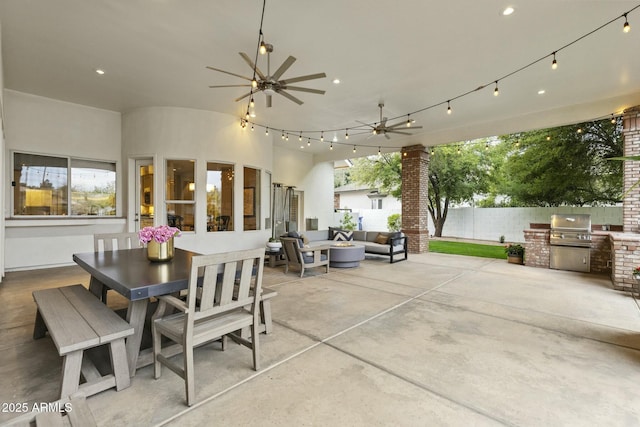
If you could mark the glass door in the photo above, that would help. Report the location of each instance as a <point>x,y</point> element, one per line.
<point>144,194</point>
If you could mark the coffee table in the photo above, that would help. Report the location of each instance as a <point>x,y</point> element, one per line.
<point>346,255</point>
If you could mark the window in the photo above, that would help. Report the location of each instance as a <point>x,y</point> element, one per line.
<point>376,203</point>
<point>63,186</point>
<point>180,191</point>
<point>251,199</point>
<point>220,177</point>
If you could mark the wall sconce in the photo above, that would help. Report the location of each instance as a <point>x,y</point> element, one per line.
<point>192,186</point>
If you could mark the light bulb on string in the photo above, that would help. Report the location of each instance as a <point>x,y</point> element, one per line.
<point>433,152</point>
<point>613,119</point>
<point>247,115</point>
<point>626,27</point>
<point>286,138</point>
<point>496,92</point>
<point>254,83</point>
<point>346,134</point>
<point>408,120</point>
<point>354,148</point>
<point>379,152</point>
<point>459,151</point>
<point>252,103</point>
<point>517,143</point>
<point>331,146</point>
<point>263,48</point>
<point>321,136</point>
<point>548,137</point>
<point>300,137</point>
<point>486,145</point>
<point>579,130</point>
<point>252,127</point>
<point>266,132</point>
<point>449,107</point>
<point>308,142</point>
<point>282,135</point>
<point>554,63</point>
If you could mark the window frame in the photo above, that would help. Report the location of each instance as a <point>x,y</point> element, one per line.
<point>232,222</point>
<point>192,202</point>
<point>69,161</point>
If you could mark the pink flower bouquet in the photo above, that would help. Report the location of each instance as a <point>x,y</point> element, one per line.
<point>160,234</point>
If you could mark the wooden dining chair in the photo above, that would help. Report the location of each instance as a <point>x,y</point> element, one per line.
<point>223,296</point>
<point>105,242</point>
<point>299,257</point>
<point>115,241</point>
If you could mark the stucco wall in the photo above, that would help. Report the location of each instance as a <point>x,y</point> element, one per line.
<point>47,126</point>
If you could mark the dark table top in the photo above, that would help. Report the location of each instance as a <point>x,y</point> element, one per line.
<point>131,274</point>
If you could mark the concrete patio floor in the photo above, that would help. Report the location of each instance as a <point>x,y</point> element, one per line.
<point>436,340</point>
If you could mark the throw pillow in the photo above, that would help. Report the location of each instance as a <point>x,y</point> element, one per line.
<point>382,239</point>
<point>343,235</point>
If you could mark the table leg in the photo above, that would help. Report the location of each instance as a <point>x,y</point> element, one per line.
<point>136,314</point>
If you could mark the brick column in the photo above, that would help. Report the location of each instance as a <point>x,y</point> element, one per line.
<point>415,200</point>
<point>631,174</point>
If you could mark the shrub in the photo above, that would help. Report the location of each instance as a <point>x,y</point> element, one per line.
<point>514,249</point>
<point>347,222</point>
<point>394,222</point>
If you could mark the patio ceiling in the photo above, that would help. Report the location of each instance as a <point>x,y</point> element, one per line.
<point>410,54</point>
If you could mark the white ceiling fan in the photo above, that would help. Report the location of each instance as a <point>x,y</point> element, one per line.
<point>381,128</point>
<point>270,84</point>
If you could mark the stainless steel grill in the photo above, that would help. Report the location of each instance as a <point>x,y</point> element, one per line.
<point>570,242</point>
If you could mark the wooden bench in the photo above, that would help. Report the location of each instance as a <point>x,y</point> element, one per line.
<point>78,321</point>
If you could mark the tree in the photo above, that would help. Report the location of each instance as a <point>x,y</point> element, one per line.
<point>383,171</point>
<point>456,174</point>
<point>564,166</point>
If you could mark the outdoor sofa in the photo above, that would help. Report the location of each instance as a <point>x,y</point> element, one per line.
<point>374,242</point>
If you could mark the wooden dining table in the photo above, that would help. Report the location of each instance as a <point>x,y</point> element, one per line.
<point>130,273</point>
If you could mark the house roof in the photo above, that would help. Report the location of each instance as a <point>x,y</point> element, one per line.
<point>414,55</point>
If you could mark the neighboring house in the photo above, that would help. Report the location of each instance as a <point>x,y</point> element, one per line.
<point>372,206</point>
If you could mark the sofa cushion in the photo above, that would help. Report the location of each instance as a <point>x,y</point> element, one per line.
<point>382,238</point>
<point>343,235</point>
<point>360,235</point>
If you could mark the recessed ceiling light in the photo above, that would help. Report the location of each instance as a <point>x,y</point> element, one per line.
<point>336,81</point>
<point>507,11</point>
<point>100,71</point>
<point>541,92</point>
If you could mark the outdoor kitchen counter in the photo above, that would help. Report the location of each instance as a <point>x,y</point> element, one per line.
<point>537,248</point>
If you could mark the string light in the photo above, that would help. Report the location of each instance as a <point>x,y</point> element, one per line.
<point>517,143</point>
<point>300,137</point>
<point>252,127</point>
<point>354,148</point>
<point>486,145</point>
<point>459,151</point>
<point>579,130</point>
<point>286,138</point>
<point>263,48</point>
<point>433,151</point>
<point>554,64</point>
<point>626,27</point>
<point>331,146</point>
<point>308,142</point>
<point>252,103</point>
<point>379,152</point>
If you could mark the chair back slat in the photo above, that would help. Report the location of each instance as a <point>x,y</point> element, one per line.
<point>115,241</point>
<point>208,289</point>
<point>219,292</point>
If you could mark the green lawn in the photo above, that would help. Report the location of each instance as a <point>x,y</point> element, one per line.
<point>471,249</point>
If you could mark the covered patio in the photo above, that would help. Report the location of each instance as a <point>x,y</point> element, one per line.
<point>436,340</point>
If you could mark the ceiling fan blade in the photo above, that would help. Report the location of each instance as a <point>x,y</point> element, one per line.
<point>252,65</point>
<point>284,67</point>
<point>398,132</point>
<point>383,122</point>
<point>290,97</point>
<point>268,101</point>
<point>304,89</point>
<point>228,72</point>
<point>387,136</point>
<point>230,86</point>
<point>242,97</point>
<point>366,124</point>
<point>303,78</point>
